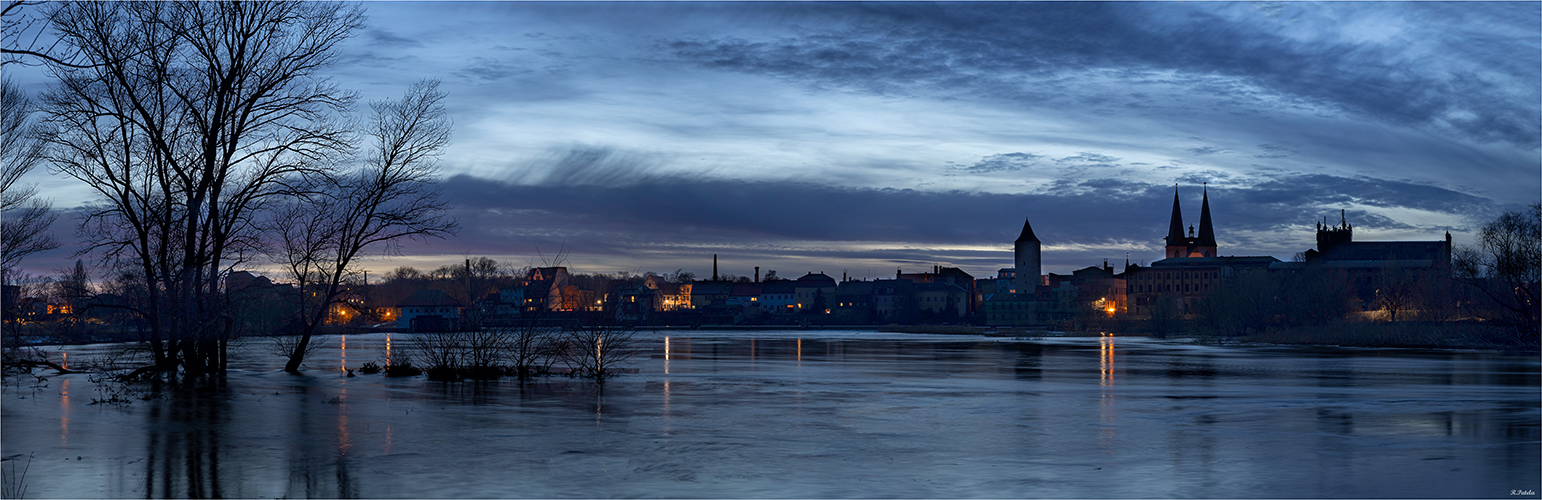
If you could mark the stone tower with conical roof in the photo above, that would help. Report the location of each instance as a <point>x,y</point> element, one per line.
<point>1191,245</point>
<point>1025,252</point>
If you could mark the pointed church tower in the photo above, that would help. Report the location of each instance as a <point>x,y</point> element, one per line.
<point>1176,242</point>
<point>1206,244</point>
<point>1025,252</point>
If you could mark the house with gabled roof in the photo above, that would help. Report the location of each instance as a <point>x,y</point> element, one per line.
<point>428,310</point>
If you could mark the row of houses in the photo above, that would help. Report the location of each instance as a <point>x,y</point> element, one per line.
<point>1017,296</point>
<point>945,294</point>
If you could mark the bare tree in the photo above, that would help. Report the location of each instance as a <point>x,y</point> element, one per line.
<point>24,219</point>
<point>1243,305</point>
<point>188,118</point>
<point>392,197</point>
<point>444,353</point>
<point>1314,297</point>
<point>598,346</point>
<point>1397,292</point>
<point>1505,267</point>
<point>533,348</point>
<point>23,37</point>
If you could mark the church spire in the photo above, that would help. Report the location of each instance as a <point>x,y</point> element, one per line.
<point>1206,230</point>
<point>1027,233</point>
<point>1175,229</point>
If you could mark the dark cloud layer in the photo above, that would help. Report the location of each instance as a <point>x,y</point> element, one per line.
<point>1018,50</point>
<point>657,216</point>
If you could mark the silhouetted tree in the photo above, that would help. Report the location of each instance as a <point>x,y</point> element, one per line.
<point>681,276</point>
<point>1505,266</point>
<point>1166,317</point>
<point>1397,292</point>
<point>24,219</point>
<point>23,35</point>
<point>1246,304</point>
<point>391,198</point>
<point>188,118</point>
<point>598,346</point>
<point>1313,297</point>
<point>819,304</point>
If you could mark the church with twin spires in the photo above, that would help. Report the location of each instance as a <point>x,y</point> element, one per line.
<point>1202,245</point>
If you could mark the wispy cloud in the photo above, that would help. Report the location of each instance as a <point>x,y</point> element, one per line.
<point>1005,162</point>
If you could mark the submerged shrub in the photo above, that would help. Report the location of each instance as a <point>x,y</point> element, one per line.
<point>403,369</point>
<point>443,374</point>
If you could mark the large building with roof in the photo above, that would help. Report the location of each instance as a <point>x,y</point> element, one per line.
<point>1193,267</point>
<point>1365,266</point>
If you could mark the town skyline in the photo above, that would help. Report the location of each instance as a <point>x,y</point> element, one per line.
<point>828,137</point>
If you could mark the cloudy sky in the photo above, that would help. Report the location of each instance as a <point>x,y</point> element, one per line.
<point>865,137</point>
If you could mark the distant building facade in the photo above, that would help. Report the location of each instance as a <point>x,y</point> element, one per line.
<point>428,310</point>
<point>1365,266</point>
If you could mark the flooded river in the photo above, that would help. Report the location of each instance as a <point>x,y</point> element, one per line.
<point>812,414</point>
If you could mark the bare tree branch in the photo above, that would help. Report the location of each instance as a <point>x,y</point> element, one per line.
<point>24,219</point>
<point>391,197</point>
<point>189,119</point>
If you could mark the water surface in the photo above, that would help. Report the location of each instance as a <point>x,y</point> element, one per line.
<point>813,414</point>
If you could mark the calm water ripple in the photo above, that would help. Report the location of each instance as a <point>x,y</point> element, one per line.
<point>814,414</point>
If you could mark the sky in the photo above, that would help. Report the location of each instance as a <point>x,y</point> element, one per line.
<point>861,138</point>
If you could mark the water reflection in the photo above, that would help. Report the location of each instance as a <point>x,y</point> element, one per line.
<point>1106,360</point>
<point>1207,421</point>
<point>184,459</point>
<point>319,466</point>
<point>64,414</point>
<point>1106,404</point>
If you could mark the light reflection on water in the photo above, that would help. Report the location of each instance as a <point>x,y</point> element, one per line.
<point>785,414</point>
<point>64,414</point>
<point>1106,407</point>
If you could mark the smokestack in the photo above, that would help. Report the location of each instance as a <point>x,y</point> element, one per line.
<point>714,267</point>
<point>757,274</point>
